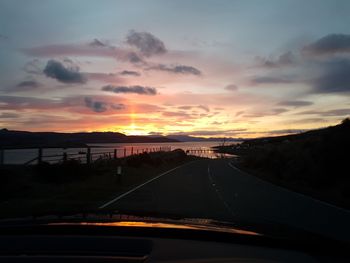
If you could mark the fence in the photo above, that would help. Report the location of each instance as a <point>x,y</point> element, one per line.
<point>84,155</point>
<point>90,154</point>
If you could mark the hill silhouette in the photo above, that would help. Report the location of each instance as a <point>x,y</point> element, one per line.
<point>25,139</point>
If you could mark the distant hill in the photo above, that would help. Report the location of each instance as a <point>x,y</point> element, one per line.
<point>187,138</point>
<point>25,139</point>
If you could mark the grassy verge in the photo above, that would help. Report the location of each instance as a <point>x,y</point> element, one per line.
<point>72,186</point>
<point>315,163</point>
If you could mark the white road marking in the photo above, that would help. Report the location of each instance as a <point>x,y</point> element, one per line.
<point>139,186</point>
<point>219,194</point>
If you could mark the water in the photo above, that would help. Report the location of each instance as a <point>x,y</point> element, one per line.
<point>21,156</point>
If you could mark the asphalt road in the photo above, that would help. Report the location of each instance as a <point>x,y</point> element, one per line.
<point>215,189</point>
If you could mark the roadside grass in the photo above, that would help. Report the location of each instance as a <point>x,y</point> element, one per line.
<point>72,187</point>
<point>314,163</point>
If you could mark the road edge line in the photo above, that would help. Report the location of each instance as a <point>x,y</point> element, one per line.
<point>139,186</point>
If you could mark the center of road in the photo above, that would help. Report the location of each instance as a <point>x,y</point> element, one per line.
<point>229,209</point>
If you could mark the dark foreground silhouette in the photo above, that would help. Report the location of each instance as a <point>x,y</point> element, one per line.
<point>73,186</point>
<point>315,162</point>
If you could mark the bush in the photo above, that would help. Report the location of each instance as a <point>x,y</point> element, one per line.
<point>68,171</point>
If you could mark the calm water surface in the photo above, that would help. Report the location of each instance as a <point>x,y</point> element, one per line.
<point>21,156</point>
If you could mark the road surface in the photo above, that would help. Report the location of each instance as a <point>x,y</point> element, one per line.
<point>216,189</point>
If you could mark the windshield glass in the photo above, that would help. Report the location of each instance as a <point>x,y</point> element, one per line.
<point>233,111</point>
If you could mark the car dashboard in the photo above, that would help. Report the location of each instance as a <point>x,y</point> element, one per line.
<point>142,242</point>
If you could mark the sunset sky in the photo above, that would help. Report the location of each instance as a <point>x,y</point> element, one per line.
<point>202,68</point>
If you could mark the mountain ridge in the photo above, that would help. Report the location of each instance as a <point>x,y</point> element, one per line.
<point>26,139</point>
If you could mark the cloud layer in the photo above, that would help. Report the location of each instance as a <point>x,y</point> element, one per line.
<point>141,90</point>
<point>335,77</point>
<point>56,70</point>
<point>177,69</point>
<point>330,44</point>
<point>146,43</point>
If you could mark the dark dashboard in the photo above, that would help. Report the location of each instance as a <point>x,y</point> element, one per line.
<point>155,242</point>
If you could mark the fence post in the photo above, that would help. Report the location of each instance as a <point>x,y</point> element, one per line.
<point>64,157</point>
<point>124,152</point>
<point>2,156</point>
<point>40,155</point>
<point>88,155</point>
<point>115,154</point>
<point>132,150</point>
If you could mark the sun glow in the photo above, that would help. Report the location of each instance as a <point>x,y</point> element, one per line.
<point>134,130</point>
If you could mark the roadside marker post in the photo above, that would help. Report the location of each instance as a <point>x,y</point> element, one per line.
<point>119,173</point>
<point>88,155</point>
<point>2,156</point>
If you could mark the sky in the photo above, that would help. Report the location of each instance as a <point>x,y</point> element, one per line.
<point>209,68</point>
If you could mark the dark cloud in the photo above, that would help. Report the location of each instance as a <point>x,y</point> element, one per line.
<point>177,69</point>
<point>93,49</point>
<point>189,107</point>
<point>271,80</point>
<point>231,87</point>
<point>130,73</point>
<point>68,60</point>
<point>146,108</point>
<point>147,43</point>
<point>134,58</point>
<point>286,131</point>
<point>56,70</point>
<point>333,43</point>
<point>239,113</point>
<point>131,89</point>
<point>295,103</point>
<point>335,77</point>
<point>117,106</point>
<point>25,103</point>
<point>203,107</point>
<point>76,104</point>
<point>59,50</point>
<point>329,113</point>
<point>211,132</point>
<point>105,77</point>
<point>309,120</point>
<point>27,85</point>
<point>283,60</point>
<point>278,111</point>
<point>100,105</point>
<point>181,114</point>
<point>9,115</point>
<point>272,112</point>
<point>97,43</point>
<point>330,75</point>
<point>96,106</point>
<point>185,107</point>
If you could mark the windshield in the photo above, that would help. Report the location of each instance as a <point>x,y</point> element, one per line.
<point>225,111</point>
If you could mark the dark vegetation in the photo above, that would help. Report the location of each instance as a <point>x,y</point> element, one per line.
<point>315,162</point>
<point>74,187</point>
<point>25,139</point>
